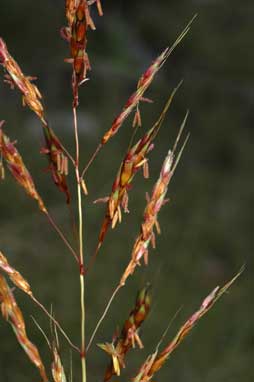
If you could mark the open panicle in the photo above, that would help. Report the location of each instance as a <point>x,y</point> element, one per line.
<point>18,169</point>
<point>129,335</point>
<point>80,16</point>
<point>13,315</point>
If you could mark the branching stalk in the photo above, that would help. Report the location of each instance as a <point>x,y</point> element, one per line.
<point>81,254</point>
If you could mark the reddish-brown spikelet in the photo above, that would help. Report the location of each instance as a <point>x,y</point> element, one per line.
<point>13,315</point>
<point>17,168</point>
<point>31,98</point>
<point>58,163</point>
<point>136,97</point>
<point>129,335</point>
<point>15,77</point>
<point>134,160</point>
<point>155,361</point>
<point>70,7</point>
<point>142,85</point>
<point>14,275</point>
<point>79,20</point>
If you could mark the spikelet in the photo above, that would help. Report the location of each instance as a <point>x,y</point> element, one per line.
<point>155,361</point>
<point>58,373</point>
<point>154,204</point>
<point>58,163</point>
<point>79,21</point>
<point>15,77</point>
<point>134,160</point>
<point>13,315</point>
<point>17,168</point>
<point>129,335</point>
<point>142,85</point>
<point>32,98</point>
<point>14,275</point>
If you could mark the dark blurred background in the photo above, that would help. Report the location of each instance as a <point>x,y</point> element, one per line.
<point>206,228</point>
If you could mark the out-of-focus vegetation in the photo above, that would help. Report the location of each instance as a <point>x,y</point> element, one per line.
<point>206,228</point>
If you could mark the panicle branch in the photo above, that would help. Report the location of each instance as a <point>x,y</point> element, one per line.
<point>13,315</point>
<point>143,84</point>
<point>134,160</point>
<point>79,21</point>
<point>17,168</point>
<point>129,335</point>
<point>31,97</point>
<point>155,361</point>
<point>150,218</point>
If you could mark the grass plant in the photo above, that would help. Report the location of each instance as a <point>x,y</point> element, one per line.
<point>62,162</point>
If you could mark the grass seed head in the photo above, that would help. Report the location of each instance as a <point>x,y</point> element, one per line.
<point>129,335</point>
<point>15,77</point>
<point>13,315</point>
<point>14,275</point>
<point>18,169</point>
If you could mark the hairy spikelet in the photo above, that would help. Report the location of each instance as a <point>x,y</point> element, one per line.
<point>13,315</point>
<point>17,168</point>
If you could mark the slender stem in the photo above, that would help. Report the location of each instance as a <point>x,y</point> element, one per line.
<point>81,254</point>
<point>60,233</point>
<point>103,316</point>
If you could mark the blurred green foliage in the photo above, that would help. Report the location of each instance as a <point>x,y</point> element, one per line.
<point>206,227</point>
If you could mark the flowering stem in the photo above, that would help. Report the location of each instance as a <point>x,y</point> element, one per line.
<point>81,254</point>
